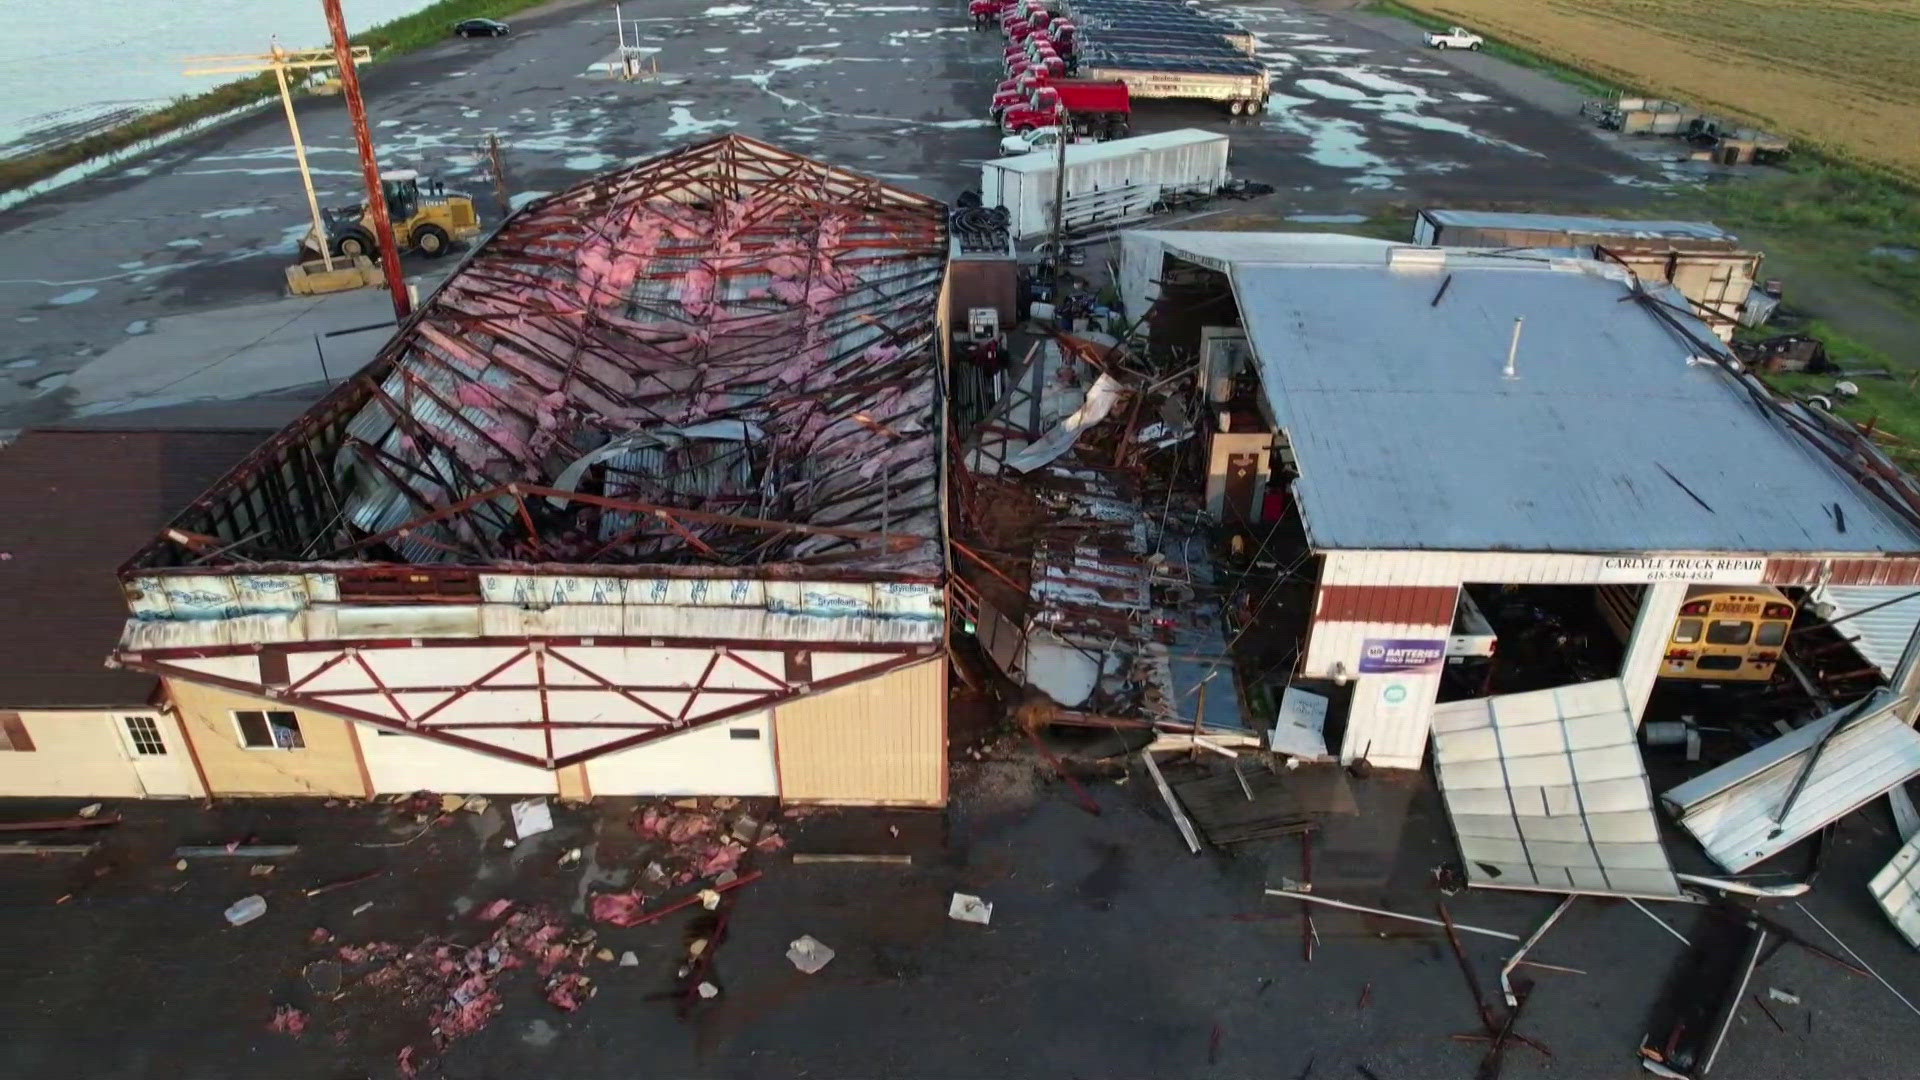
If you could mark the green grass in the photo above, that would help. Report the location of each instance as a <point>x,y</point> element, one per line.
<point>1888,406</point>
<point>406,34</point>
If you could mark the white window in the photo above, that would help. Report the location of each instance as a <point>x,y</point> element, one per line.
<point>144,734</point>
<point>268,730</point>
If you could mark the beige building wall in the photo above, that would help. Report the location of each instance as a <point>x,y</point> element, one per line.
<point>74,754</point>
<point>329,764</point>
<point>881,742</point>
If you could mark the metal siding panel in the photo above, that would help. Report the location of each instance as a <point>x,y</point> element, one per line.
<point>1882,632</point>
<point>882,741</point>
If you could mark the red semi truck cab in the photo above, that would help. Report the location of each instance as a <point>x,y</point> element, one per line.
<point>1093,107</point>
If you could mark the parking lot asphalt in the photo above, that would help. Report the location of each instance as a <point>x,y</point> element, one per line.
<point>1360,115</point>
<point>1111,951</point>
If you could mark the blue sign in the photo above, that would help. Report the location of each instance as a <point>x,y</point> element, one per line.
<point>1385,656</point>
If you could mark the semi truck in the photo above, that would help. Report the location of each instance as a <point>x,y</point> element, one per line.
<point>1103,109</point>
<point>1241,85</point>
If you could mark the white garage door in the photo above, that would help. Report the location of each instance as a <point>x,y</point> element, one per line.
<point>1547,791</point>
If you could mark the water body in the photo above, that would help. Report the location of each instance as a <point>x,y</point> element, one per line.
<point>80,60</point>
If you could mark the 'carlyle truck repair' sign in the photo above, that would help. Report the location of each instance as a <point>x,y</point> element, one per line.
<point>1381,656</point>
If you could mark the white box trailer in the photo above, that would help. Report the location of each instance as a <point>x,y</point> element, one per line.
<point>1242,86</point>
<point>1111,181</point>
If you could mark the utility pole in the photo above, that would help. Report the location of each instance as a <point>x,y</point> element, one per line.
<point>279,60</point>
<point>499,173</point>
<point>1060,207</point>
<point>369,164</point>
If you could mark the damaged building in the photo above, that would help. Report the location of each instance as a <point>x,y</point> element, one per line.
<point>647,498</point>
<point>1511,476</point>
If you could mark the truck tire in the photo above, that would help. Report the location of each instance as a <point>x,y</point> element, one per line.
<point>1475,47</point>
<point>1440,45</point>
<point>354,242</point>
<point>431,241</point>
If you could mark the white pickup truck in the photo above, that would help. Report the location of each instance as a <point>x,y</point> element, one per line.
<point>1458,37</point>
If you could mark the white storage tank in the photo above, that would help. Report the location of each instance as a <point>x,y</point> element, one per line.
<point>1109,181</point>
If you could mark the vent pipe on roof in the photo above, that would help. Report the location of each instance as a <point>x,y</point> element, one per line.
<point>1513,350</point>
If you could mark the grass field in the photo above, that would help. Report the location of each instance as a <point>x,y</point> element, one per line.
<point>1842,75</point>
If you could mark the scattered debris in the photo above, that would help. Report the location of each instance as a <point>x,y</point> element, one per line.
<point>1776,994</point>
<point>707,990</point>
<point>319,890</point>
<point>261,870</point>
<point>1778,1026</point>
<point>569,990</point>
<point>628,959</point>
<point>1703,994</point>
<point>709,899</point>
<point>288,1020</point>
<point>1856,958</point>
<point>494,910</point>
<point>571,858</point>
<point>628,908</point>
<point>246,909</point>
<point>320,936</point>
<point>47,849</point>
<point>180,864</point>
<point>84,821</point>
<point>88,810</point>
<point>1389,914</point>
<point>808,858</point>
<point>1173,805</point>
<point>605,956</point>
<point>1519,956</point>
<point>531,817</point>
<point>809,954</point>
<point>323,977</point>
<point>460,985</point>
<point>1219,806</point>
<point>971,909</point>
<point>236,850</point>
<point>451,803</point>
<point>1366,997</point>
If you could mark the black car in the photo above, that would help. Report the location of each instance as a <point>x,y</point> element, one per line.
<point>480,28</point>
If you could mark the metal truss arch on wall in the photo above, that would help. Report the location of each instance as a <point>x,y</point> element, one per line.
<point>550,703</point>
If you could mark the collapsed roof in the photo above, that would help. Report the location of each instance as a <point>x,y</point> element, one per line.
<point>722,355</point>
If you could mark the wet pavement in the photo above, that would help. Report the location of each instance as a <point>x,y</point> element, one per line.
<point>1360,116</point>
<point>1111,952</point>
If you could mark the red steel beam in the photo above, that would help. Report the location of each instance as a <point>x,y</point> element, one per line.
<point>369,162</point>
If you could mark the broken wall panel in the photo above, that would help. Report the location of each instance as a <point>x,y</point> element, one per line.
<point>1896,888</point>
<point>1735,810</point>
<point>1547,791</point>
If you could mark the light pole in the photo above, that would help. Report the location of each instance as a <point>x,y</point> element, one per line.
<point>279,60</point>
<point>369,164</point>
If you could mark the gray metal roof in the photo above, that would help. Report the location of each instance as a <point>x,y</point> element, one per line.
<point>1609,440</point>
<point>1640,230</point>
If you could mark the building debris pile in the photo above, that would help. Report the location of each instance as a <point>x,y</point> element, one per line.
<point>1076,508</point>
<point>456,989</point>
<point>684,842</point>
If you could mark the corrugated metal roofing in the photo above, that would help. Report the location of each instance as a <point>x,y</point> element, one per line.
<point>1082,153</point>
<point>1547,791</point>
<point>1623,227</point>
<point>76,503</point>
<point>1896,888</point>
<point>1608,440</point>
<point>1881,634</point>
<point>1731,809</point>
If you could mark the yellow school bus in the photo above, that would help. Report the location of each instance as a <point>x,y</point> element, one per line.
<point>1724,633</point>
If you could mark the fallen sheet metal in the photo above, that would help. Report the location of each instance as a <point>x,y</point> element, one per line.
<point>1735,810</point>
<point>1703,995</point>
<point>1301,728</point>
<point>1896,888</point>
<point>1547,791</point>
